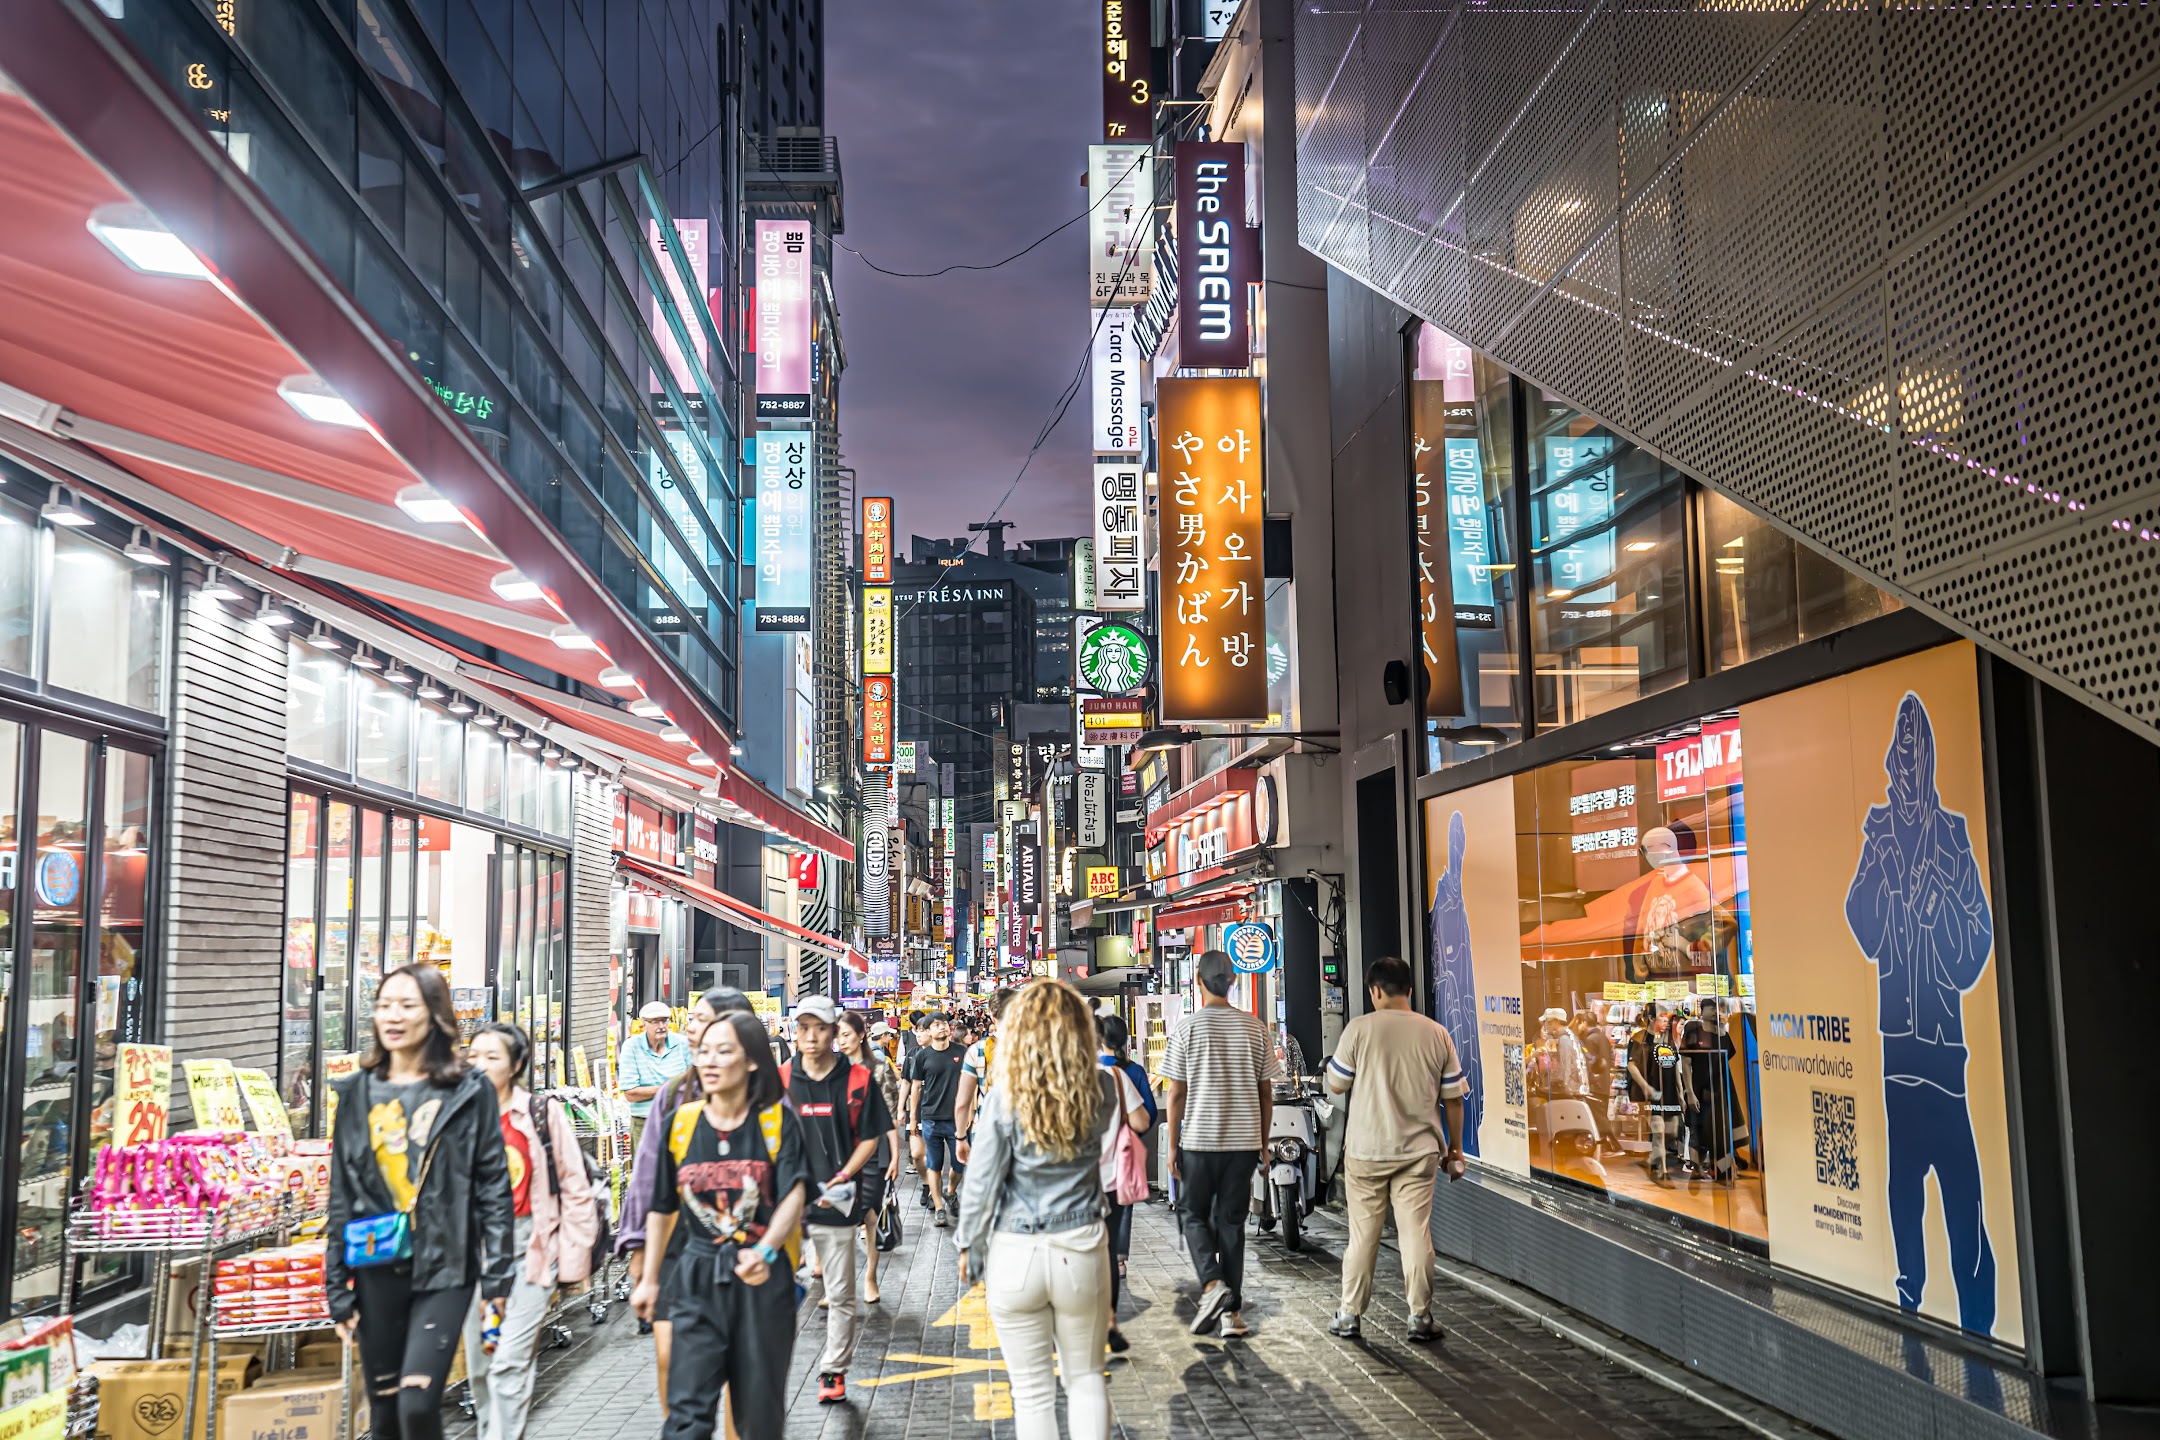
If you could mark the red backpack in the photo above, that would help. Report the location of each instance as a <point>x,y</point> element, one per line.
<point>858,1091</point>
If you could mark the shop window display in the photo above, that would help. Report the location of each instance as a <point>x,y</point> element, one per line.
<point>1764,591</point>
<point>318,704</point>
<point>1741,974</point>
<point>52,1048</point>
<point>18,589</point>
<point>382,732</point>
<point>107,622</point>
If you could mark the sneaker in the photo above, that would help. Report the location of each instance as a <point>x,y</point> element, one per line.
<point>1118,1343</point>
<point>1346,1326</point>
<point>1234,1327</point>
<point>1212,1305</point>
<point>940,1219</point>
<point>1423,1331</point>
<point>923,1199</point>
<point>831,1388</point>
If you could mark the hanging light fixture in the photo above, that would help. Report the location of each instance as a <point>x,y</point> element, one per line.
<point>215,588</point>
<point>142,552</point>
<point>398,675</point>
<point>320,638</point>
<point>61,509</point>
<point>429,690</point>
<point>362,660</point>
<point>271,613</point>
<point>459,705</point>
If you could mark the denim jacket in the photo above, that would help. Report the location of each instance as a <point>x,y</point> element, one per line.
<point>1014,1185</point>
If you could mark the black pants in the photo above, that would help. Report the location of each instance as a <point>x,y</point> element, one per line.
<point>1120,1225</point>
<point>733,1335</point>
<point>407,1332</point>
<point>1217,1196</point>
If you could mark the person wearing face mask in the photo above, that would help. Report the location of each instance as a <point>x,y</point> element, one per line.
<point>557,1221</point>
<point>421,1209</point>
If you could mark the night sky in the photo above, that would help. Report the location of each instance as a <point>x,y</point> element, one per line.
<point>963,127</point>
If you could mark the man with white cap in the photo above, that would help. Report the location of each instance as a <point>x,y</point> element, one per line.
<point>843,1112</point>
<point>650,1062</point>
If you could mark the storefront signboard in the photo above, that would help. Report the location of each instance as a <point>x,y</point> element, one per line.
<point>1214,622</point>
<point>642,914</point>
<point>784,468</point>
<point>1027,873</point>
<point>1114,370</point>
<point>876,851</point>
<point>877,630</point>
<point>783,319</point>
<point>803,869</point>
<point>1120,561</point>
<point>261,1094</point>
<point>1581,544</point>
<point>1700,763</point>
<point>643,835</point>
<point>1603,825</point>
<point>1121,224</point>
<point>1251,946</point>
<point>214,1092</point>
<point>1215,254</point>
<point>877,535</point>
<point>1111,658</point>
<point>690,245</point>
<point>1113,720</point>
<point>1102,881</point>
<point>1094,806</point>
<point>1084,573</point>
<point>1128,99</point>
<point>877,720</point>
<point>904,760</point>
<point>142,1093</point>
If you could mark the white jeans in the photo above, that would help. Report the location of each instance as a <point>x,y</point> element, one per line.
<point>834,1247</point>
<point>502,1383</point>
<point>1049,1297</point>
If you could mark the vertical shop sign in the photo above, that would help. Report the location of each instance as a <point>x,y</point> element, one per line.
<point>1027,873</point>
<point>1214,618</point>
<point>877,735</point>
<point>1113,369</point>
<point>1094,826</point>
<point>1574,516</point>
<point>877,533</point>
<point>689,244</point>
<point>802,721</point>
<point>783,319</point>
<point>1121,224</point>
<point>1120,564</point>
<point>783,531</point>
<point>1128,99</point>
<point>1084,573</point>
<point>1215,257</point>
<point>876,855</point>
<point>877,630</point>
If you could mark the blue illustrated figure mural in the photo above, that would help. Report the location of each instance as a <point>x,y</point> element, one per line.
<point>1455,983</point>
<point>1920,914</point>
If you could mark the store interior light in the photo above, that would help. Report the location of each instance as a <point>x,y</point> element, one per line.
<point>363,661</point>
<point>512,586</point>
<point>397,675</point>
<point>616,678</point>
<point>141,239</point>
<point>142,552</point>
<point>505,729</point>
<point>461,706</point>
<point>1735,543</point>
<point>61,508</point>
<point>551,754</point>
<point>569,637</point>
<point>215,588</point>
<point>1639,547</point>
<point>530,742</point>
<point>827,787</point>
<point>427,507</point>
<point>320,638</point>
<point>429,690</point>
<point>1558,593</point>
<point>272,614</point>
<point>647,709</point>
<point>318,402</point>
<point>1482,736</point>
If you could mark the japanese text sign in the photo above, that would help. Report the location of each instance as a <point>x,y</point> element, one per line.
<point>877,528</point>
<point>142,1093</point>
<point>1120,559</point>
<point>1214,621</point>
<point>1121,224</point>
<point>783,319</point>
<point>877,720</point>
<point>784,517</point>
<point>877,630</point>
<point>1215,257</point>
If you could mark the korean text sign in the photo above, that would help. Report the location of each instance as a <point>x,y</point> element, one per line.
<point>1214,256</point>
<point>877,527</point>
<point>1121,224</point>
<point>783,530</point>
<point>783,319</point>
<point>1128,100</point>
<point>1120,564</point>
<point>1214,621</point>
<point>877,731</point>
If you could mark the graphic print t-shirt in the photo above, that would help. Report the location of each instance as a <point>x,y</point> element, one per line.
<point>829,1133</point>
<point>519,1152</point>
<point>400,1119</point>
<point>720,1191</point>
<point>939,1071</point>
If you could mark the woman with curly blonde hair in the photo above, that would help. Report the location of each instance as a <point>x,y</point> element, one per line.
<point>1031,1210</point>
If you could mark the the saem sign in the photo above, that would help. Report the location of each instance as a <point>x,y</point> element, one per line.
<point>1214,257</point>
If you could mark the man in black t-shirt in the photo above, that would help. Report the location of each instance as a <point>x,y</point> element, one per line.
<point>843,1114</point>
<point>933,1086</point>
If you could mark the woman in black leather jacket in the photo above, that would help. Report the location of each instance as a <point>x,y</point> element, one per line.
<point>418,1131</point>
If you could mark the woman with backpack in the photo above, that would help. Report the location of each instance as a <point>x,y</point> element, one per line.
<point>1124,1162</point>
<point>420,1202</point>
<point>558,1222</point>
<point>1031,1214</point>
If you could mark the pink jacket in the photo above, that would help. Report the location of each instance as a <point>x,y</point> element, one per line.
<point>565,1224</point>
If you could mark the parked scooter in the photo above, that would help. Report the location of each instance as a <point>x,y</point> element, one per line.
<point>1295,1162</point>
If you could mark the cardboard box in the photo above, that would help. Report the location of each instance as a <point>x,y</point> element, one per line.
<point>299,1405</point>
<point>144,1399</point>
<point>58,1336</point>
<point>320,1355</point>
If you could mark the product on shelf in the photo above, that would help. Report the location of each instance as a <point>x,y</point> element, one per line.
<point>281,1285</point>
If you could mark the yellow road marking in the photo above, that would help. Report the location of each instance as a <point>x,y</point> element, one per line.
<point>973,1311</point>
<point>993,1401</point>
<point>937,1367</point>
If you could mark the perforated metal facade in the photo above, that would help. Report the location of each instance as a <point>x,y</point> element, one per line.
<point>1885,273</point>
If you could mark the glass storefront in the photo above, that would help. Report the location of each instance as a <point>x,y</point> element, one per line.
<point>1738,974</point>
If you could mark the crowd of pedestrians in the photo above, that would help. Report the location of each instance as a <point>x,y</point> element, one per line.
<point>769,1165</point>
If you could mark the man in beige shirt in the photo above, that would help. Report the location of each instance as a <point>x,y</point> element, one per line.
<point>1399,1070</point>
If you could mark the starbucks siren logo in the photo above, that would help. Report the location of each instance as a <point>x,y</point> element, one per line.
<point>1113,659</point>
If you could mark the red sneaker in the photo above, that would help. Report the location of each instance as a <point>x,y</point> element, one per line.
<point>831,1388</point>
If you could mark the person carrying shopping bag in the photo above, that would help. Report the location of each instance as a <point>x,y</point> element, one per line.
<point>557,1223</point>
<point>1031,1212</point>
<point>1123,1159</point>
<point>883,1173</point>
<point>420,1204</point>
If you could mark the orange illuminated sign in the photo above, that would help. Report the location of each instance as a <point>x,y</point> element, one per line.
<point>877,528</point>
<point>1214,612</point>
<point>877,723</point>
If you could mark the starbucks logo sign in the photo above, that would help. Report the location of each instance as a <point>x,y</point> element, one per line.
<point>1113,659</point>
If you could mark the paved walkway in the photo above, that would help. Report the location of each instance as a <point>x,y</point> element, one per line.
<point>928,1363</point>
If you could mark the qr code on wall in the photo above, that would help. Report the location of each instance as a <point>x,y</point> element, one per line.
<point>1837,1140</point>
<point>1511,1067</point>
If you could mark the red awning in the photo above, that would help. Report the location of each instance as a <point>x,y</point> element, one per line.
<point>1224,907</point>
<point>744,916</point>
<point>1220,788</point>
<point>164,391</point>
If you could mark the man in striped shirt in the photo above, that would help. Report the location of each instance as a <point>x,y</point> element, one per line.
<point>1218,1074</point>
<point>1400,1071</point>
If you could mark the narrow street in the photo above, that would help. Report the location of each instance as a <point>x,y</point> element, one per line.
<point>928,1363</point>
